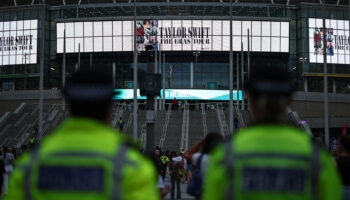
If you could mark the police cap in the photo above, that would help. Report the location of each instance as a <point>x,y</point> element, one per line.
<point>270,81</point>
<point>89,85</point>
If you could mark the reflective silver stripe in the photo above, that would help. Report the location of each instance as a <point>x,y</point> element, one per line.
<point>315,168</point>
<point>274,155</point>
<point>119,161</point>
<point>229,160</point>
<point>82,154</point>
<point>28,170</point>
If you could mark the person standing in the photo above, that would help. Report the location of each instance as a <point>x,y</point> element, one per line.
<point>270,160</point>
<point>343,164</point>
<point>176,168</point>
<point>84,158</point>
<point>175,104</point>
<point>121,124</point>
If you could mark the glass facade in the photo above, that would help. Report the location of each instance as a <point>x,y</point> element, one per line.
<point>209,69</point>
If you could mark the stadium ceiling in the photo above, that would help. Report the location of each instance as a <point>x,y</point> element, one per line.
<point>180,8</point>
<point>6,3</point>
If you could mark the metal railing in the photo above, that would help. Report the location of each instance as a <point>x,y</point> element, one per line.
<point>222,121</point>
<point>239,115</point>
<point>184,132</point>
<point>118,113</point>
<point>165,127</point>
<point>204,118</point>
<point>143,135</point>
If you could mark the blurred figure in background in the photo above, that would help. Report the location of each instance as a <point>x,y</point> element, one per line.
<point>176,169</point>
<point>270,160</point>
<point>343,164</point>
<point>199,156</point>
<point>84,158</point>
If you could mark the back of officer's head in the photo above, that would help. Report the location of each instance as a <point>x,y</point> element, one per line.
<point>345,143</point>
<point>89,93</point>
<point>270,89</point>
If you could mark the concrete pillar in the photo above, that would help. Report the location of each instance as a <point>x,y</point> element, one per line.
<point>305,85</point>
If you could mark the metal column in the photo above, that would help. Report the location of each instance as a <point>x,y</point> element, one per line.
<point>155,71</point>
<point>231,75</point>
<point>325,81</point>
<point>163,81</point>
<point>113,73</point>
<point>242,70</point>
<point>135,79</point>
<point>191,75</point>
<point>237,65</point>
<point>248,55</point>
<point>41,79</point>
<point>64,70</point>
<point>79,57</point>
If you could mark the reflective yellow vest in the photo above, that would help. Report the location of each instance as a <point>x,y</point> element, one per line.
<point>271,162</point>
<point>83,159</point>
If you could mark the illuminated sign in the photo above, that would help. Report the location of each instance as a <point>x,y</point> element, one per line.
<point>337,38</point>
<point>183,94</point>
<point>173,35</point>
<point>18,42</point>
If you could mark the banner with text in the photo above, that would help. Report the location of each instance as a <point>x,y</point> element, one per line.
<point>337,41</point>
<point>173,35</point>
<point>18,42</point>
<point>183,94</point>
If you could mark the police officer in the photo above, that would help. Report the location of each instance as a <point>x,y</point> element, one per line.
<point>270,160</point>
<point>84,158</point>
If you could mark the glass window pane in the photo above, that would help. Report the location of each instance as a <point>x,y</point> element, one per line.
<point>60,30</point>
<point>117,28</point>
<point>256,44</point>
<point>79,26</point>
<point>98,44</point>
<point>236,28</point>
<point>256,28</point>
<point>275,44</point>
<point>275,26</point>
<point>69,29</point>
<point>107,28</point>
<point>266,28</point>
<point>107,44</point>
<point>97,28</point>
<point>77,42</point>
<point>265,44</point>
<point>88,44</point>
<point>87,29</point>
<point>117,44</point>
<point>284,29</point>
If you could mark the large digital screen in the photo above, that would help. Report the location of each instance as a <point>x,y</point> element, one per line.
<point>182,94</point>
<point>18,42</point>
<point>173,35</point>
<point>337,39</point>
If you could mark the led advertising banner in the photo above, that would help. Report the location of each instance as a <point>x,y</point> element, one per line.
<point>173,35</point>
<point>337,37</point>
<point>18,42</point>
<point>182,94</point>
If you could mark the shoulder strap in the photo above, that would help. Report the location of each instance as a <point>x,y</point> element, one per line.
<point>229,160</point>
<point>199,161</point>
<point>315,168</point>
<point>28,169</point>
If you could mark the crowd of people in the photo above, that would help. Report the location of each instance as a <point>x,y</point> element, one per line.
<point>84,158</point>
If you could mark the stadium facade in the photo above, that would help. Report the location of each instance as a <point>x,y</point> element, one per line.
<point>192,36</point>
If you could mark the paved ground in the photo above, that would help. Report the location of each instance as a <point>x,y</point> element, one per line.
<point>184,195</point>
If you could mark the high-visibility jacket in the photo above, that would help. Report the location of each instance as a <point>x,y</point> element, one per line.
<point>164,159</point>
<point>270,162</point>
<point>83,159</point>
